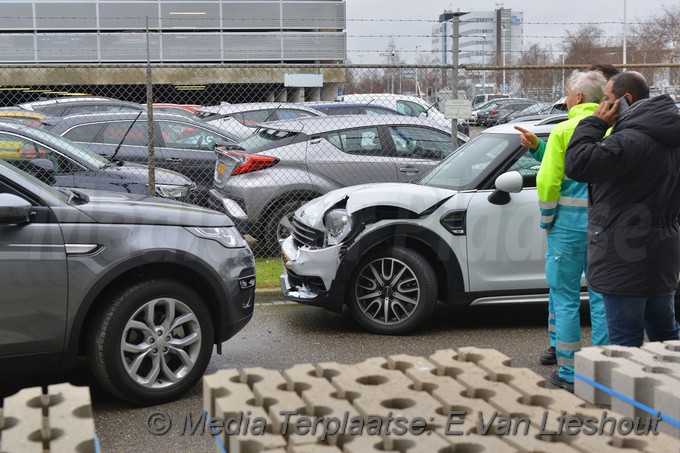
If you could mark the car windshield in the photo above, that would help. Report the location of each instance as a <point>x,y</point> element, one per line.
<point>74,149</point>
<point>265,139</point>
<point>471,162</point>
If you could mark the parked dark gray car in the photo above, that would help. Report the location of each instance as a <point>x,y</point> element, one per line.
<point>181,144</point>
<point>142,287</point>
<point>62,163</point>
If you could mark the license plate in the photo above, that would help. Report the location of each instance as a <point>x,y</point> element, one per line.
<point>220,168</point>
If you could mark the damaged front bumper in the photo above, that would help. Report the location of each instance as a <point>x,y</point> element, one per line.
<point>308,275</point>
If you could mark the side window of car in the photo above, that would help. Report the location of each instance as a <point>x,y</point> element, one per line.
<point>420,142</point>
<point>85,133</point>
<point>186,136</point>
<point>358,141</point>
<point>527,166</point>
<point>130,133</point>
<point>410,108</point>
<point>285,114</point>
<point>53,110</point>
<point>255,117</point>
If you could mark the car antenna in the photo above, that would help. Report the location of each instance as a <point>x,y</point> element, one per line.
<point>259,126</point>
<point>273,111</point>
<point>115,152</point>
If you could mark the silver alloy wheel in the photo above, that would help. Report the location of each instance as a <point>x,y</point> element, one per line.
<point>161,343</point>
<point>387,291</point>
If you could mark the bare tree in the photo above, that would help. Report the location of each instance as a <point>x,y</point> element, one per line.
<point>584,46</point>
<point>537,83</point>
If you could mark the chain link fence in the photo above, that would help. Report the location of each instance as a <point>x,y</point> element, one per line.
<point>258,141</point>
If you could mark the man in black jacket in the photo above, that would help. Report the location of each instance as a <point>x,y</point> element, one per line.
<point>634,203</point>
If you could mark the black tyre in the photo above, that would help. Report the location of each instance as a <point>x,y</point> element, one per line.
<point>152,342</point>
<point>278,226</point>
<point>394,292</point>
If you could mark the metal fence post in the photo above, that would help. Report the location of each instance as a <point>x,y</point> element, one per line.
<point>149,117</point>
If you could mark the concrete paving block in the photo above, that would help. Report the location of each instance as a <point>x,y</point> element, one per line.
<point>660,443</point>
<point>448,363</point>
<point>642,384</point>
<point>70,419</point>
<point>314,448</point>
<point>320,398</point>
<point>656,362</point>
<point>219,384</point>
<point>382,392</point>
<point>248,426</point>
<point>534,441</point>
<point>407,443</point>
<point>271,392</point>
<point>26,428</point>
<point>595,364</point>
<point>530,385</point>
<point>445,389</point>
<point>477,443</point>
<point>667,350</point>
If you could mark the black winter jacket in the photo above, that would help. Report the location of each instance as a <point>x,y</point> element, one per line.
<point>634,198</point>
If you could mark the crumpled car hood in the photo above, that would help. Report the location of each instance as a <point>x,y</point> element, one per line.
<point>413,197</point>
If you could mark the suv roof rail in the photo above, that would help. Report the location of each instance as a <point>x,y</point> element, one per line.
<point>553,119</point>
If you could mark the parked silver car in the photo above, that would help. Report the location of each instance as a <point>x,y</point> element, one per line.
<point>142,287</point>
<point>467,233</point>
<point>242,120</point>
<point>290,162</point>
<point>75,105</point>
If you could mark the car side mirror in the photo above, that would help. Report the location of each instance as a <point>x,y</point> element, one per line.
<point>14,210</point>
<point>507,183</point>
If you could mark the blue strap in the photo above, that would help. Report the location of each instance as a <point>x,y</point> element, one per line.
<point>628,400</point>
<point>215,435</point>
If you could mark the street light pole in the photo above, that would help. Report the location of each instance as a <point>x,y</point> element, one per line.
<point>483,64</point>
<point>625,33</point>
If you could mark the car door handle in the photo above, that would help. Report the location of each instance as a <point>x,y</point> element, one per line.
<point>410,170</point>
<point>175,160</point>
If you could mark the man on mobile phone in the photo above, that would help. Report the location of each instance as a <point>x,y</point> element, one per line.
<point>633,230</point>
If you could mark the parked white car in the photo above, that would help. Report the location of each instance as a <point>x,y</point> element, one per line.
<point>407,105</point>
<point>242,120</point>
<point>467,233</point>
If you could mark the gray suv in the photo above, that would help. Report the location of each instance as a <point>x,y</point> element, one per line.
<point>142,287</point>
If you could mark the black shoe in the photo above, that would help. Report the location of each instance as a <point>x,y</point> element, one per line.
<point>548,357</point>
<point>560,383</point>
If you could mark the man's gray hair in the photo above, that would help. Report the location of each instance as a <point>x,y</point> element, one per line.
<point>589,83</point>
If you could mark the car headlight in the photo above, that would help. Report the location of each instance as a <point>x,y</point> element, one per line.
<point>227,236</point>
<point>170,191</point>
<point>338,225</point>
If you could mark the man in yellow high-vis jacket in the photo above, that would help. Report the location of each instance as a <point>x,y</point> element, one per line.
<point>563,204</point>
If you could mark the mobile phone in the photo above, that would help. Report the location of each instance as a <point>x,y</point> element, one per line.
<point>623,105</point>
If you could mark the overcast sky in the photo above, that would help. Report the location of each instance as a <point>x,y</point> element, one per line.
<point>370,23</point>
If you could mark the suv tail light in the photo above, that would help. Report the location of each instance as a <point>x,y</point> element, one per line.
<point>251,162</point>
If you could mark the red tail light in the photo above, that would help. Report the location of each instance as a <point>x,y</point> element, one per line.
<point>251,162</point>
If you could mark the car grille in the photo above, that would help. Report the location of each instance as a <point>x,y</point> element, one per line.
<point>304,235</point>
